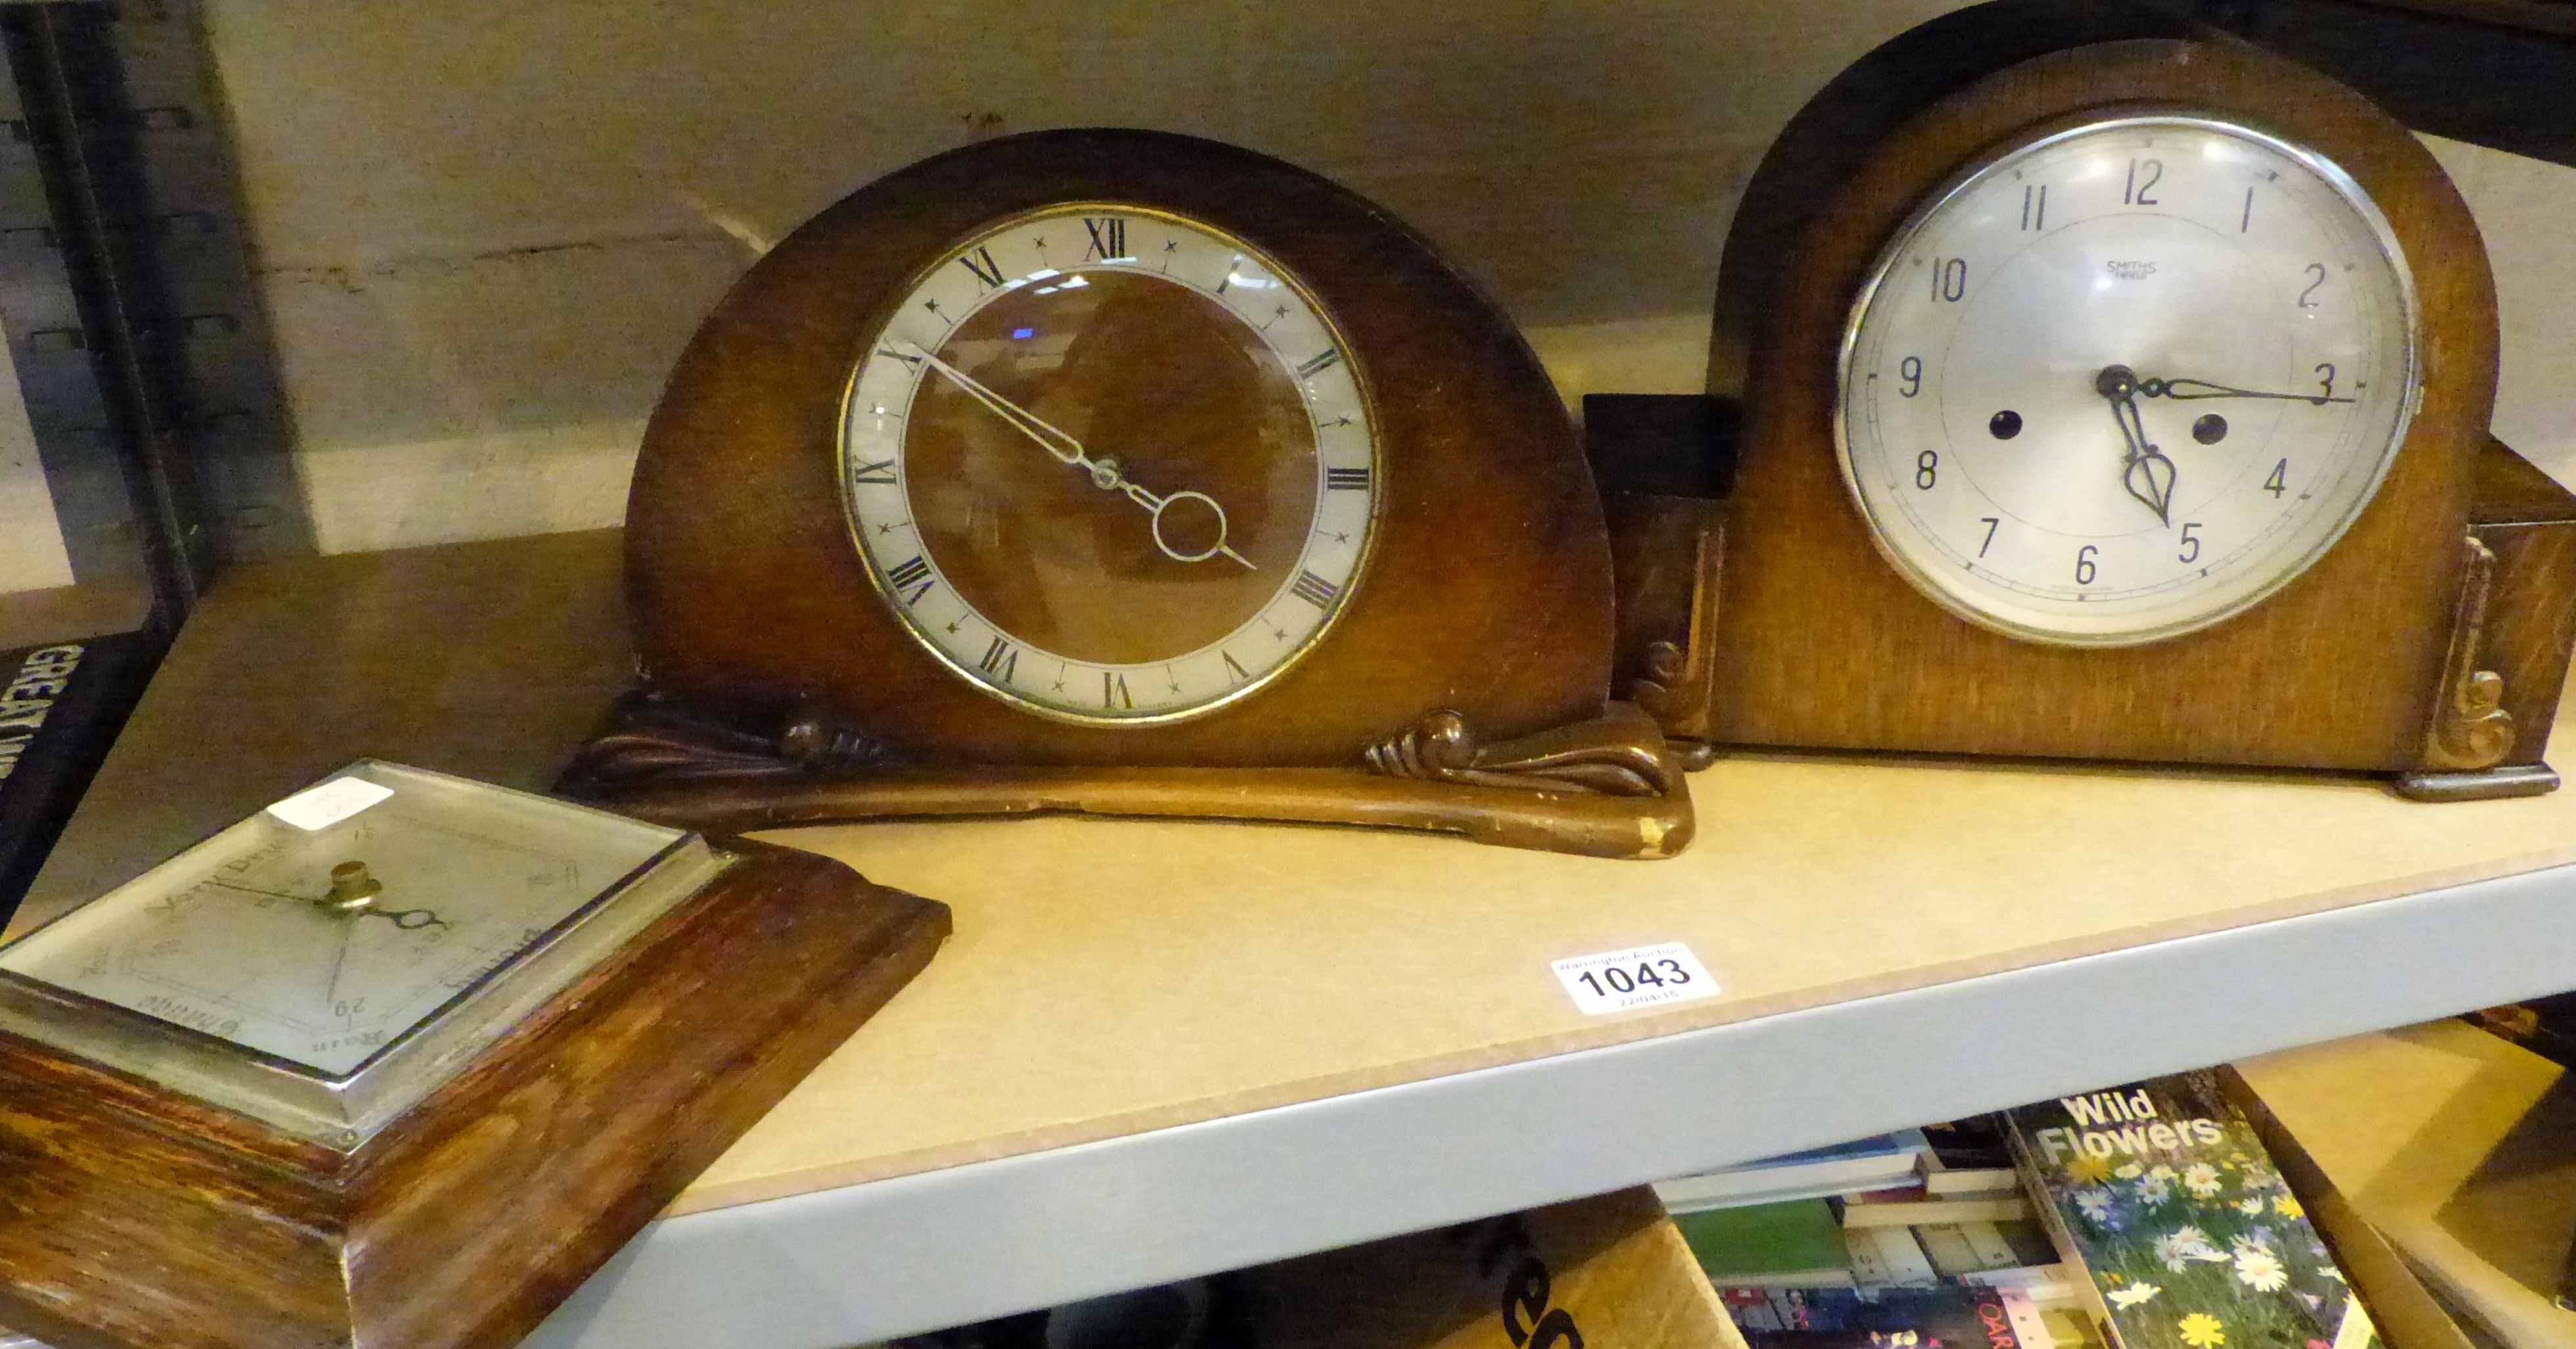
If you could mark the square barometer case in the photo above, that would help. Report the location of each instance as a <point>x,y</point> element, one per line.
<point>455,1040</point>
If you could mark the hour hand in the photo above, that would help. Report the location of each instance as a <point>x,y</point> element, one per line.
<point>2146,473</point>
<point>2150,478</point>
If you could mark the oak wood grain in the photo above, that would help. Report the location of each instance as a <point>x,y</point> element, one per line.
<point>2530,522</point>
<point>131,1218</point>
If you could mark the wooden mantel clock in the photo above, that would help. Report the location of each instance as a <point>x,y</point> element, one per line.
<point>401,1060</point>
<point>1122,472</point>
<point>2132,404</point>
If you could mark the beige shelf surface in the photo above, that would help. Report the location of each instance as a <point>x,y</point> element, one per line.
<point>71,613</point>
<point>1115,976</point>
<point>1109,977</point>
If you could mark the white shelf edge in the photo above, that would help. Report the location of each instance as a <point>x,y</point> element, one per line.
<point>913,1253</point>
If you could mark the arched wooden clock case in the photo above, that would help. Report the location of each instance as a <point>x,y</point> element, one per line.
<point>1460,684</point>
<point>2429,641</point>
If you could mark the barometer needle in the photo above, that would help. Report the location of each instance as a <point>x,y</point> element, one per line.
<point>255,890</point>
<point>409,920</point>
<point>331,996</point>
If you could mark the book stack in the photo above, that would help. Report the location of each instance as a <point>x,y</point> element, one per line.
<point>1875,1163</point>
<point>1943,1317</point>
<point>1909,1240</point>
<point>2147,1216</point>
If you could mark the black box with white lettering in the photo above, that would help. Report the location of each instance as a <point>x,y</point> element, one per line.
<point>60,707</point>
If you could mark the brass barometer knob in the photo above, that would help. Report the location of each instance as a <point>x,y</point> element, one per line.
<point>352,889</point>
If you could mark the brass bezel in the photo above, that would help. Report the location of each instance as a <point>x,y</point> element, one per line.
<point>955,248</point>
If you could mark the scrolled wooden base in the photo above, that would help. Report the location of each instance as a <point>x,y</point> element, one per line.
<point>1618,754</point>
<point>1608,787</point>
<point>651,738</point>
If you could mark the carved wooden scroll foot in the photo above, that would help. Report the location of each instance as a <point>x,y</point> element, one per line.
<point>1678,685</point>
<point>2468,734</point>
<point>1601,788</point>
<point>2479,784</point>
<point>2469,729</point>
<point>652,739</point>
<point>1620,753</point>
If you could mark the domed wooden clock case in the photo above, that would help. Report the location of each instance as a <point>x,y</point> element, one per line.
<point>2129,403</point>
<point>1122,472</point>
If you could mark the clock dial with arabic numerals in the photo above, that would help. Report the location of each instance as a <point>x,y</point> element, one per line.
<point>2126,380</point>
<point>1110,464</point>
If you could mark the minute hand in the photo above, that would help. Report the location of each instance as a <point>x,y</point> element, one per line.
<point>1105,474</point>
<point>2201,388</point>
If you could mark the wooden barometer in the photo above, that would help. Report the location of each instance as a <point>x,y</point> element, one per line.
<point>401,1060</point>
<point>2132,404</point>
<point>1122,472</point>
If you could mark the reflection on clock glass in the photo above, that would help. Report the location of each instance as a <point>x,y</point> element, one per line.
<point>2128,380</point>
<point>1110,465</point>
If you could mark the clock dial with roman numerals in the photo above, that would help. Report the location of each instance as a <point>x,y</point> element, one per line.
<point>1113,448</point>
<point>1110,464</point>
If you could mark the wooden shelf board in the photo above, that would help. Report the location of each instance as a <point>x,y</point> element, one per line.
<point>1133,1012</point>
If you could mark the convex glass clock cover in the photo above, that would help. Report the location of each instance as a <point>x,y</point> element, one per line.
<point>1112,465</point>
<point>2128,379</point>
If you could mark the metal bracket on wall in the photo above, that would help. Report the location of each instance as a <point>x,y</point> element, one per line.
<point>126,293</point>
<point>137,341</point>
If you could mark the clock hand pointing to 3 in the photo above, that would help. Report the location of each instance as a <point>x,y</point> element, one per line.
<point>2147,473</point>
<point>2201,388</point>
<point>1105,473</point>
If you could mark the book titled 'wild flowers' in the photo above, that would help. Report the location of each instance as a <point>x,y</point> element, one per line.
<point>2162,1191</point>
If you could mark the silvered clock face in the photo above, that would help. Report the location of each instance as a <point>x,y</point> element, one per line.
<point>2127,380</point>
<point>1110,465</point>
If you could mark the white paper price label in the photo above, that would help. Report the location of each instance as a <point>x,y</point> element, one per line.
<point>327,805</point>
<point>1615,981</point>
